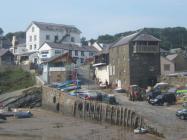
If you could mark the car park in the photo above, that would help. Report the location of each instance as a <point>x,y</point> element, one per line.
<point>182,114</point>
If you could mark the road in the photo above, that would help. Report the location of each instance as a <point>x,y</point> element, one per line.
<point>162,117</point>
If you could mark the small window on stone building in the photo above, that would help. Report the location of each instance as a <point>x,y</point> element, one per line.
<point>166,67</point>
<point>30,47</point>
<point>54,99</point>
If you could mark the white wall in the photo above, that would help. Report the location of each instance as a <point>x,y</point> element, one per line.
<point>164,61</point>
<point>102,73</point>
<point>41,37</point>
<point>33,42</point>
<point>51,52</point>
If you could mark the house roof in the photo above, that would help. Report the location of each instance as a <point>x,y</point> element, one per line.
<point>58,57</point>
<point>145,37</point>
<point>73,47</point>
<point>166,59</point>
<point>138,36</point>
<point>3,51</point>
<point>163,51</point>
<point>125,40</point>
<point>54,26</point>
<point>172,56</point>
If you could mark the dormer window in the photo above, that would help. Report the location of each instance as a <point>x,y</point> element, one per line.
<point>47,37</point>
<point>56,38</point>
<point>72,39</point>
<point>32,29</point>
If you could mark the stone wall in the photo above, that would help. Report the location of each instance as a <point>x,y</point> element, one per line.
<point>178,80</point>
<point>58,101</point>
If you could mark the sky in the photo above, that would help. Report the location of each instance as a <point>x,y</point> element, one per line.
<point>94,17</point>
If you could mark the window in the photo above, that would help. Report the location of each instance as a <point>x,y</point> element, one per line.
<point>76,53</point>
<point>30,47</point>
<point>35,46</point>
<point>56,38</point>
<point>70,52</point>
<point>35,38</point>
<point>91,53</point>
<point>142,43</point>
<point>44,52</point>
<point>72,39</point>
<point>32,29</point>
<point>47,37</point>
<point>166,67</point>
<point>58,51</point>
<point>30,38</point>
<point>113,70</point>
<point>152,43</point>
<point>82,53</point>
<point>82,60</point>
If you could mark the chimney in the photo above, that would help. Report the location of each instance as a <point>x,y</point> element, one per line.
<point>1,42</point>
<point>14,41</point>
<point>89,43</point>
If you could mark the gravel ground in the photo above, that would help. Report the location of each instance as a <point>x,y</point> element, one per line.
<point>46,125</point>
<point>162,117</point>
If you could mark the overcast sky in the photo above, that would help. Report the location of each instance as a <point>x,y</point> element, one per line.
<point>94,17</point>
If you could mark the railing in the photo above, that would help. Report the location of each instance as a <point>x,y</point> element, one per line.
<point>145,49</point>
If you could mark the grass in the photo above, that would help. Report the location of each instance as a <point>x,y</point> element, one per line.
<point>15,79</point>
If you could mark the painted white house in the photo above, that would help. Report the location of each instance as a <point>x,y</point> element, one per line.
<point>79,54</point>
<point>39,32</point>
<point>167,66</point>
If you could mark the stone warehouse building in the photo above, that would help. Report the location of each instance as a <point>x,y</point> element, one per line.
<point>135,59</point>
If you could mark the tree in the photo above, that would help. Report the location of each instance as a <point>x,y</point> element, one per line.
<point>83,41</point>
<point>1,31</point>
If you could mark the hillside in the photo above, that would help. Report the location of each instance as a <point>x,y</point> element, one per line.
<point>170,37</point>
<point>15,78</point>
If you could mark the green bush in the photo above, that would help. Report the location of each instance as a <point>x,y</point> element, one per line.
<point>15,79</point>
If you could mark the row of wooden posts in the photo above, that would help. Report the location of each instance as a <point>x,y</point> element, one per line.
<point>116,115</point>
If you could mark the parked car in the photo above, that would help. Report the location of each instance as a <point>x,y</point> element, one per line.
<point>182,114</point>
<point>109,99</point>
<point>153,94</point>
<point>168,98</point>
<point>184,104</point>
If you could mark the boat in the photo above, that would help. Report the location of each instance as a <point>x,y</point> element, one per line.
<point>140,130</point>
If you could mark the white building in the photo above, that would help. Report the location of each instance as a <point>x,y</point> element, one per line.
<point>38,32</point>
<point>79,54</point>
<point>167,66</point>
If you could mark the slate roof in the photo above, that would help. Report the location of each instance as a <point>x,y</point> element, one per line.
<point>145,37</point>
<point>163,51</point>
<point>172,56</point>
<point>3,51</point>
<point>54,26</point>
<point>72,47</point>
<point>58,56</point>
<point>125,40</point>
<point>138,36</point>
